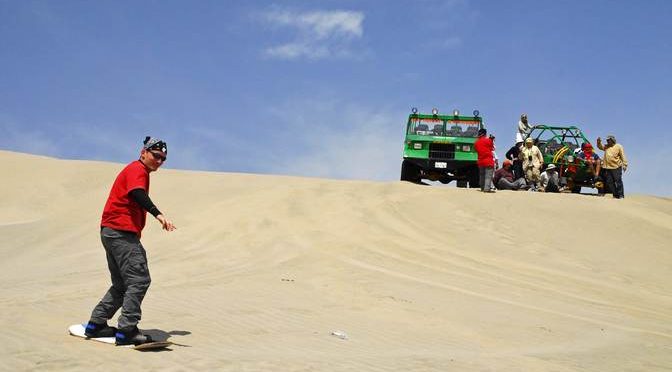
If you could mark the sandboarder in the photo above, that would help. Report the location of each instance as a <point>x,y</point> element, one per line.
<point>121,226</point>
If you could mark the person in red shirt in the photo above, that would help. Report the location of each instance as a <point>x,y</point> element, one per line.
<point>121,226</point>
<point>485,146</point>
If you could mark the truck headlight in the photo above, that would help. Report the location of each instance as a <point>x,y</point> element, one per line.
<point>466,148</point>
<point>417,146</point>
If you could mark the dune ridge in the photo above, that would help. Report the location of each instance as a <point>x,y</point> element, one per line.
<point>263,268</point>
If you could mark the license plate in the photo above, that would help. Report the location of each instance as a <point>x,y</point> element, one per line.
<point>440,164</point>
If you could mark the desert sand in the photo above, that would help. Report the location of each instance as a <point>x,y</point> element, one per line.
<point>262,269</point>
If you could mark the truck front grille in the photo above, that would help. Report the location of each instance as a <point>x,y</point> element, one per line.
<point>441,151</point>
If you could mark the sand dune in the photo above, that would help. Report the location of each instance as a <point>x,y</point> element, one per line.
<point>263,268</point>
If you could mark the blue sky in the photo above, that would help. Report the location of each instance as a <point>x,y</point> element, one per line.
<point>323,88</point>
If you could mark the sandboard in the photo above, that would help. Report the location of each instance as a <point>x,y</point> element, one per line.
<point>77,330</point>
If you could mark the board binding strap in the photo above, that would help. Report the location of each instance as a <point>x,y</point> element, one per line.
<point>77,330</point>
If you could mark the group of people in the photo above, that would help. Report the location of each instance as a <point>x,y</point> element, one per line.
<point>524,168</point>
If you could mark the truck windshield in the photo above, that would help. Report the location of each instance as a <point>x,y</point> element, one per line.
<point>446,128</point>
<point>462,128</point>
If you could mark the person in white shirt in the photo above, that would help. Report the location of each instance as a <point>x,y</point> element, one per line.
<point>549,179</point>
<point>523,128</point>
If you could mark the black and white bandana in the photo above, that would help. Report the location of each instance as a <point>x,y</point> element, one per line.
<point>151,143</point>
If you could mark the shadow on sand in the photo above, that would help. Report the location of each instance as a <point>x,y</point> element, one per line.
<point>161,335</point>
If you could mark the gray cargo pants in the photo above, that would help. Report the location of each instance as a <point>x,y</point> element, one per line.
<point>485,177</point>
<point>127,261</point>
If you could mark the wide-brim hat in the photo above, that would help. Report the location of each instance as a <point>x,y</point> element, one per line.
<point>550,166</point>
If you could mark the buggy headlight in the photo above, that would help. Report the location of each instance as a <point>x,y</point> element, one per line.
<point>456,112</point>
<point>435,111</point>
<point>476,113</point>
<point>417,146</point>
<point>414,110</point>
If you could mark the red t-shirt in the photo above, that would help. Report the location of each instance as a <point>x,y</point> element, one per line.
<point>121,212</point>
<point>484,147</point>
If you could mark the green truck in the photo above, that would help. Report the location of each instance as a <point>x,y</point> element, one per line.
<point>440,148</point>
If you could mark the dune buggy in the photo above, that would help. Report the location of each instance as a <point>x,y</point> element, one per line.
<point>561,146</point>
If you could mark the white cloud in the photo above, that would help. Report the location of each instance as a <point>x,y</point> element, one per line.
<point>298,50</point>
<point>318,34</point>
<point>321,24</point>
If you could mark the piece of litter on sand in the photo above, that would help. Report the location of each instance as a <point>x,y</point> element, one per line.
<point>340,334</point>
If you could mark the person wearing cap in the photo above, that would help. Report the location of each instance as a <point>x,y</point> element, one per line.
<point>504,178</point>
<point>485,147</point>
<point>523,128</point>
<point>615,163</point>
<point>549,180</point>
<point>121,225</point>
<point>532,160</point>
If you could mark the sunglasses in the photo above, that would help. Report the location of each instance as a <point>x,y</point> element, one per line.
<point>157,156</point>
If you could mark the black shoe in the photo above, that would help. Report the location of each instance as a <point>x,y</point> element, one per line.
<point>96,330</point>
<point>131,336</point>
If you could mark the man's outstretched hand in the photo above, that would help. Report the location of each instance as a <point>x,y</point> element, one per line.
<point>165,223</point>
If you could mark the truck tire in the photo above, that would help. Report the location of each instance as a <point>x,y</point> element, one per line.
<point>473,178</point>
<point>410,172</point>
